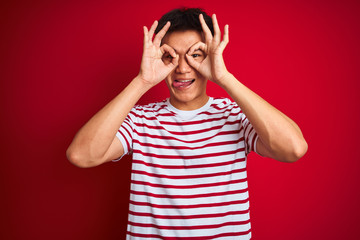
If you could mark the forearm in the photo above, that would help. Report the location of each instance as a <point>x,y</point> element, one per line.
<point>281,136</point>
<point>93,140</point>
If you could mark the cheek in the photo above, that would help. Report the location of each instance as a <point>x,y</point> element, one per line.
<point>201,79</point>
<point>168,80</point>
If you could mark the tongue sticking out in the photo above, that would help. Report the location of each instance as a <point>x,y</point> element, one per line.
<point>182,84</point>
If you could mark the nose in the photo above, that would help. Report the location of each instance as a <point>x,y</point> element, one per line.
<point>183,66</point>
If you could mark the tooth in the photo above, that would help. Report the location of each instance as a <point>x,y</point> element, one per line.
<point>185,80</point>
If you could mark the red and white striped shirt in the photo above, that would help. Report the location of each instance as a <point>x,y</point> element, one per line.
<point>188,177</point>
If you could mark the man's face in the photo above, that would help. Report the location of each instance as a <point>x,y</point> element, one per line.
<point>186,85</point>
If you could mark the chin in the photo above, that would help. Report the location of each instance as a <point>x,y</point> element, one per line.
<point>183,98</point>
<point>188,101</point>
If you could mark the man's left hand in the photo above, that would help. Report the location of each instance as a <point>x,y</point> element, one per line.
<point>213,66</point>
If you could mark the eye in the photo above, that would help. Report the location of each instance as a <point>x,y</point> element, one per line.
<point>195,55</point>
<point>167,57</point>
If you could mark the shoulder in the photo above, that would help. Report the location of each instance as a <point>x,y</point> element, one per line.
<point>150,107</point>
<point>148,110</point>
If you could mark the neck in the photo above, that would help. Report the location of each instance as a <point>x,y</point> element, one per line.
<point>191,105</point>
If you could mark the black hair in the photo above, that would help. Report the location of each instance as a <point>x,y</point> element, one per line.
<point>185,19</point>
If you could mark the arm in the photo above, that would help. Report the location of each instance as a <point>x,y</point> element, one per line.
<point>279,137</point>
<point>96,143</point>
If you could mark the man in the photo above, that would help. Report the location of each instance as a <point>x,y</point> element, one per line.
<point>189,151</point>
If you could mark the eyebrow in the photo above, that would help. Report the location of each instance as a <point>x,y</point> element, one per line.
<point>198,49</point>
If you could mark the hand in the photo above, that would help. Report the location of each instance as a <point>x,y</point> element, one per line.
<point>153,70</point>
<point>213,66</point>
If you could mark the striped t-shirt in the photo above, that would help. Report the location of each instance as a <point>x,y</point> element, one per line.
<point>188,177</point>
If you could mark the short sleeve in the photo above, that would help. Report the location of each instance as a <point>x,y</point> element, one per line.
<point>250,135</point>
<point>125,134</point>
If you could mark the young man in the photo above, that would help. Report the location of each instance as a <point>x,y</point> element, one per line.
<point>189,151</point>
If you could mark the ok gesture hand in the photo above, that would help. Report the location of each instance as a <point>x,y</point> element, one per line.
<point>213,66</point>
<point>152,69</point>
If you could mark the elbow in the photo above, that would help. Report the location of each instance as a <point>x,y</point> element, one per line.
<point>302,149</point>
<point>78,159</point>
<point>297,151</point>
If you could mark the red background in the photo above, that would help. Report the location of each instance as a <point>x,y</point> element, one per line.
<point>61,61</point>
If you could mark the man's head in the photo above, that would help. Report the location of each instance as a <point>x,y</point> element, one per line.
<point>183,19</point>
<point>186,85</point>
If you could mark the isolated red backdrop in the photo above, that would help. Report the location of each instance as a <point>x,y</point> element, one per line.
<point>61,61</point>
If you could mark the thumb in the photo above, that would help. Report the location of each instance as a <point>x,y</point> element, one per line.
<point>174,62</point>
<point>192,62</point>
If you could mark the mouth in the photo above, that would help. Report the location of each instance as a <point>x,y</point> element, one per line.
<point>182,84</point>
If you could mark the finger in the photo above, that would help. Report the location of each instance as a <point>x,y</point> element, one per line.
<point>225,40</point>
<point>159,36</point>
<point>175,61</point>
<point>199,45</point>
<point>175,57</point>
<point>152,30</point>
<point>192,62</point>
<point>205,28</point>
<point>146,34</point>
<point>167,49</point>
<point>217,32</point>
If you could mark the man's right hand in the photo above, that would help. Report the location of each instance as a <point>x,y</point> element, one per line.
<point>96,141</point>
<point>153,70</point>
